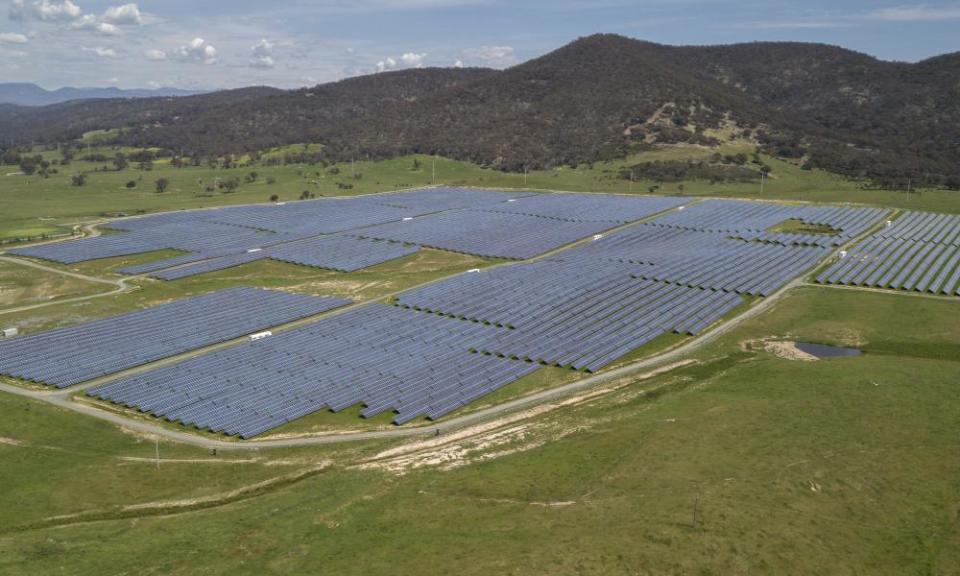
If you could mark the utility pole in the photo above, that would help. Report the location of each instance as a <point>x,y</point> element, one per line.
<point>763,175</point>
<point>696,504</point>
<point>524,175</point>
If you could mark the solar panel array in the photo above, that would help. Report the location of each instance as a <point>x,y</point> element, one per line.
<point>381,356</point>
<point>494,234</point>
<point>232,231</point>
<point>343,253</point>
<point>569,314</point>
<point>701,259</point>
<point>524,227</point>
<point>752,220</point>
<point>337,252</point>
<point>75,354</point>
<point>589,207</point>
<point>448,343</point>
<point>919,251</point>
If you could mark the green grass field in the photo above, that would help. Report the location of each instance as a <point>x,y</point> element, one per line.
<point>743,462</point>
<point>370,283</point>
<point>21,285</point>
<point>845,466</point>
<point>36,206</point>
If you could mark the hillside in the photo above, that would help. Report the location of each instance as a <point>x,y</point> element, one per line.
<point>231,120</point>
<point>599,97</point>
<point>26,94</point>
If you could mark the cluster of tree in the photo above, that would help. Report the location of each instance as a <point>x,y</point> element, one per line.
<point>679,170</point>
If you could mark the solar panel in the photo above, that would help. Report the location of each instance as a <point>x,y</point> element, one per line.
<point>75,354</point>
<point>918,251</point>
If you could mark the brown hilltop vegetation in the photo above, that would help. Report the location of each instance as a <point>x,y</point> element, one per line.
<point>597,98</point>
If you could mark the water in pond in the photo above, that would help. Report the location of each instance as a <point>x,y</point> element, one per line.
<point>824,351</point>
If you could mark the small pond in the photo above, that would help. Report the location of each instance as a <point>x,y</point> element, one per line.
<point>825,351</point>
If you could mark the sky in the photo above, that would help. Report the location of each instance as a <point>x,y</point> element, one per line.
<point>204,44</point>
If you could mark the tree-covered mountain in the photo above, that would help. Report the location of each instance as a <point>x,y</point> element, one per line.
<point>598,97</point>
<point>26,94</point>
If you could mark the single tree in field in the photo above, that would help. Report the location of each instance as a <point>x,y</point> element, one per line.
<point>120,161</point>
<point>162,184</point>
<point>132,184</point>
<point>78,179</point>
<point>274,198</point>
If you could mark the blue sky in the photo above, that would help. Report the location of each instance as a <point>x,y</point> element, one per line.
<point>288,43</point>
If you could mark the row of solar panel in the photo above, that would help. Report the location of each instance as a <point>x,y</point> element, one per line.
<point>75,354</point>
<point>482,222</point>
<point>568,314</point>
<point>742,216</point>
<point>493,234</point>
<point>701,259</point>
<point>583,308</point>
<point>899,264</point>
<point>588,207</point>
<point>234,230</point>
<point>339,252</point>
<point>925,227</point>
<point>380,356</point>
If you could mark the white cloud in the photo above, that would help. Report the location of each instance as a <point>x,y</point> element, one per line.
<point>102,52</point>
<point>90,22</point>
<point>386,64</point>
<point>198,50</point>
<point>12,38</point>
<point>261,54</point>
<point>154,84</point>
<point>405,60</point>
<point>125,15</point>
<point>45,10</point>
<point>413,59</point>
<point>113,80</point>
<point>458,64</point>
<point>918,13</point>
<point>154,54</point>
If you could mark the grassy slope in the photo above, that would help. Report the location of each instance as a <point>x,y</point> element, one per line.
<point>20,285</point>
<point>36,205</point>
<point>370,283</point>
<point>846,466</point>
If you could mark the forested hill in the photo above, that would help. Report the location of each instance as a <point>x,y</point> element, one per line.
<point>26,94</point>
<point>598,97</point>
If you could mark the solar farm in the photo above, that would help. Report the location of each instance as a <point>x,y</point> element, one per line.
<point>580,282</point>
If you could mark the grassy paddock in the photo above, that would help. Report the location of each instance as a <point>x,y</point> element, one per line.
<point>836,467</point>
<point>21,285</point>
<point>35,205</point>
<point>369,283</point>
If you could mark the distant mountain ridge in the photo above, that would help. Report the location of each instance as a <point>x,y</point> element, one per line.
<point>597,98</point>
<point>26,94</point>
